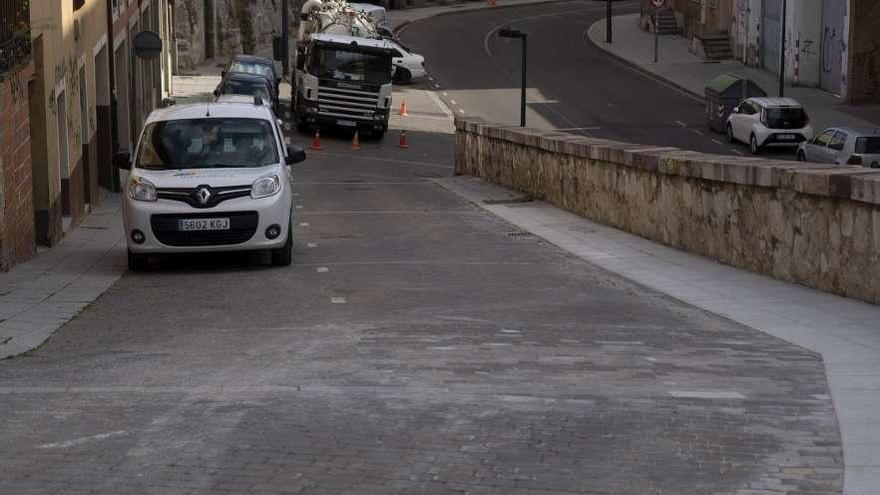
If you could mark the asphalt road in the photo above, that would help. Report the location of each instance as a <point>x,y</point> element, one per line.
<point>417,345</point>
<point>573,84</point>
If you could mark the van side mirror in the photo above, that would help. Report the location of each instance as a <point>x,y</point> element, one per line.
<point>122,160</point>
<point>735,109</point>
<point>295,154</point>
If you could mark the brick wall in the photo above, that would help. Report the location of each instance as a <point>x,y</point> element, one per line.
<point>16,191</point>
<point>864,53</point>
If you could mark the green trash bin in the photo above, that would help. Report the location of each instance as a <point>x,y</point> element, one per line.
<point>725,92</point>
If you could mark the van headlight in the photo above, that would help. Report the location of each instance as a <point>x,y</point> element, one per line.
<point>266,186</point>
<point>142,190</point>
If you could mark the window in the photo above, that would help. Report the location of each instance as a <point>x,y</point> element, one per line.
<point>78,4</point>
<point>63,151</point>
<point>823,139</point>
<point>837,141</point>
<point>83,105</point>
<point>869,145</point>
<point>785,118</point>
<point>208,143</point>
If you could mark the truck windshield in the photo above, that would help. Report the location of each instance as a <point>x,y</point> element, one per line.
<point>346,65</point>
<point>207,143</point>
<point>785,118</point>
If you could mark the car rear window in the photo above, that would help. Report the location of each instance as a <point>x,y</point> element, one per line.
<point>208,143</point>
<point>786,118</point>
<point>246,88</point>
<point>253,68</point>
<point>868,145</point>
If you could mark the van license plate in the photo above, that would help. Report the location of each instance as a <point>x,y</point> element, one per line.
<point>346,123</point>
<point>786,137</point>
<point>187,224</point>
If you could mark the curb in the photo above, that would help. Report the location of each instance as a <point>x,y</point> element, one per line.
<point>645,71</point>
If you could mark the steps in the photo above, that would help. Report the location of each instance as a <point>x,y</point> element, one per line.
<point>666,22</point>
<point>716,46</point>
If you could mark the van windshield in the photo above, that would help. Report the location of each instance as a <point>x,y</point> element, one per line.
<point>207,143</point>
<point>785,118</point>
<point>347,65</point>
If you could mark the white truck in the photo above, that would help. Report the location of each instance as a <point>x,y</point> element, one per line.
<point>343,70</point>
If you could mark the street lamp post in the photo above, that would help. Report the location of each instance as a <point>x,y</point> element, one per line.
<point>782,51</point>
<point>516,33</point>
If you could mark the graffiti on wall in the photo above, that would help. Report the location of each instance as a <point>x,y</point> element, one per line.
<point>67,71</point>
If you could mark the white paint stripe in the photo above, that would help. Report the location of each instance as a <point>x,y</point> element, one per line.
<point>436,85</point>
<point>719,143</point>
<point>453,102</point>
<point>81,440</point>
<point>312,244</point>
<point>697,131</point>
<point>442,106</point>
<point>299,207</point>
<point>460,111</point>
<point>682,124</point>
<point>738,152</point>
<point>304,224</point>
<point>338,300</point>
<point>322,269</point>
<point>296,194</point>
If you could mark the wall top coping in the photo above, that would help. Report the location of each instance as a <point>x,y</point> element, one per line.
<point>845,182</point>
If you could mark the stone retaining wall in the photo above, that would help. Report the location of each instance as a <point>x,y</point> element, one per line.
<point>804,223</point>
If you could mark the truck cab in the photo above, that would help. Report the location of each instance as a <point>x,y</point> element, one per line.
<point>344,81</point>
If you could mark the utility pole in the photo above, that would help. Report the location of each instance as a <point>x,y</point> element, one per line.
<point>782,51</point>
<point>285,37</point>
<point>608,22</point>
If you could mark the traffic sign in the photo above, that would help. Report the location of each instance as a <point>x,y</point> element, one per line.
<point>657,3</point>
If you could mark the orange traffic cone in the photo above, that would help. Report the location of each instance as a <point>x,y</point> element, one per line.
<point>316,143</point>
<point>355,142</point>
<point>403,143</point>
<point>403,108</point>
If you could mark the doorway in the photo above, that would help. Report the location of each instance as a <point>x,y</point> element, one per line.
<point>771,36</point>
<point>833,45</point>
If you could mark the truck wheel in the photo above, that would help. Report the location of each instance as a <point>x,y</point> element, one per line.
<point>283,256</point>
<point>137,262</point>
<point>753,145</point>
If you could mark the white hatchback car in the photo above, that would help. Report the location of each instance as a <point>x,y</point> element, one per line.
<point>209,177</point>
<point>407,65</point>
<point>764,122</point>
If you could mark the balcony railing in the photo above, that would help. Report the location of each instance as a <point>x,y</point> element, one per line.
<point>15,35</point>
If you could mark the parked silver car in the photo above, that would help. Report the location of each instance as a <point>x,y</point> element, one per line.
<point>843,146</point>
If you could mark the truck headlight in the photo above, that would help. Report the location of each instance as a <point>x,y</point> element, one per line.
<point>266,186</point>
<point>142,190</point>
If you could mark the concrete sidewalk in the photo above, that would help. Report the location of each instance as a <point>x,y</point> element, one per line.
<point>690,73</point>
<point>401,18</point>
<point>844,331</point>
<point>41,295</point>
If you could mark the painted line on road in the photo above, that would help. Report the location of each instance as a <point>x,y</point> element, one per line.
<point>719,143</point>
<point>706,394</point>
<point>680,123</point>
<point>460,111</point>
<point>322,269</point>
<point>312,244</point>
<point>698,132</point>
<point>453,101</point>
<point>338,300</point>
<point>442,106</point>
<point>299,207</point>
<point>304,224</point>
<point>81,440</point>
<point>738,152</point>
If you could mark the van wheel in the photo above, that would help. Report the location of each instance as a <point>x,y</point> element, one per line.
<point>730,137</point>
<point>137,262</point>
<point>283,256</point>
<point>403,76</point>
<point>753,145</point>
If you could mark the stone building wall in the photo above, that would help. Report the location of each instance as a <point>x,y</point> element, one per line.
<point>226,27</point>
<point>804,223</point>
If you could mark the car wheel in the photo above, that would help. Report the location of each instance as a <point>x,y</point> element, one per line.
<point>138,262</point>
<point>801,156</point>
<point>403,76</point>
<point>753,145</point>
<point>283,256</point>
<point>730,137</point>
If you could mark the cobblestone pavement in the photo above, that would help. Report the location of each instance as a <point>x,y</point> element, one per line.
<point>417,345</point>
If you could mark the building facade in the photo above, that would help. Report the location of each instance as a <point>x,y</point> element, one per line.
<point>17,230</point>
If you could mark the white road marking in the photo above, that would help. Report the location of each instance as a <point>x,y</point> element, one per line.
<point>296,194</point>
<point>442,106</point>
<point>738,152</point>
<point>445,93</point>
<point>304,224</point>
<point>460,111</point>
<point>81,440</point>
<point>453,102</point>
<point>509,331</point>
<point>322,269</point>
<point>312,244</point>
<point>436,85</point>
<point>338,300</point>
<point>699,132</point>
<point>299,207</point>
<point>681,123</point>
<point>719,143</point>
<point>430,78</point>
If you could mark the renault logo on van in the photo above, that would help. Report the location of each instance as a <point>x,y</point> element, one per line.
<point>204,195</point>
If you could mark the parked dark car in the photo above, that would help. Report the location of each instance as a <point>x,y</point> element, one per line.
<point>238,83</point>
<point>252,64</point>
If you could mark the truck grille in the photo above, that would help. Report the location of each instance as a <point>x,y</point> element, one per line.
<point>348,104</point>
<point>242,226</point>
